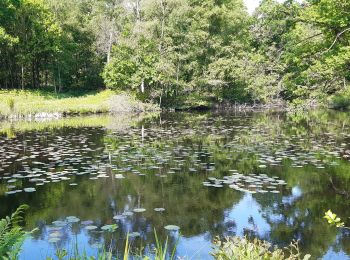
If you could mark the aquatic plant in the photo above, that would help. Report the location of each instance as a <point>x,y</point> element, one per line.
<point>11,234</point>
<point>334,220</point>
<point>160,252</point>
<point>63,254</point>
<point>245,249</point>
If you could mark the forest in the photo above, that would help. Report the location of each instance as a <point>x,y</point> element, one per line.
<point>174,52</point>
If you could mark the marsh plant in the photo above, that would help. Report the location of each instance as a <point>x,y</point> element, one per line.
<point>160,252</point>
<point>245,249</point>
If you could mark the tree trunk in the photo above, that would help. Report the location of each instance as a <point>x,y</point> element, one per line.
<point>22,76</point>
<point>137,10</point>
<point>59,80</point>
<point>109,49</point>
<point>33,75</point>
<point>142,86</point>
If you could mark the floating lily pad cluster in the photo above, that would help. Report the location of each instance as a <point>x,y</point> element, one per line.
<point>37,159</point>
<point>121,217</point>
<point>40,158</point>
<point>252,183</point>
<point>204,146</point>
<point>57,230</point>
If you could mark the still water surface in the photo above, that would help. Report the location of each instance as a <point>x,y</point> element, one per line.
<point>270,175</point>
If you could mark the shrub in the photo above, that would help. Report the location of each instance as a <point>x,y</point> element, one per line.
<point>341,102</point>
<point>236,248</point>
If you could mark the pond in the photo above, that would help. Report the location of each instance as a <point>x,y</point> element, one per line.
<point>90,181</point>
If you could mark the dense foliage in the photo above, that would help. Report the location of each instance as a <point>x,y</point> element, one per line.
<point>176,52</point>
<point>245,249</point>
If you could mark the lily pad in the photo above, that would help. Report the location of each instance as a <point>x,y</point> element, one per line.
<point>87,222</point>
<point>134,234</point>
<point>90,227</point>
<point>59,223</point>
<point>159,209</point>
<point>72,219</point>
<point>139,210</point>
<point>109,228</point>
<point>172,227</point>
<point>128,213</point>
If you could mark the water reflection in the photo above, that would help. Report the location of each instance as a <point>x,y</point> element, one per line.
<point>76,170</point>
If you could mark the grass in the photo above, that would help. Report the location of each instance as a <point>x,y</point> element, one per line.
<point>160,253</point>
<point>31,102</point>
<point>21,103</point>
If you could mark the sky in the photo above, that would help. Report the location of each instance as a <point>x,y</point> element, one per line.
<point>252,4</point>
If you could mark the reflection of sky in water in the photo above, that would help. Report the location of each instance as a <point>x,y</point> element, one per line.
<point>246,215</point>
<point>333,253</point>
<point>40,249</point>
<point>248,208</point>
<point>241,213</point>
<point>201,212</point>
<point>197,247</point>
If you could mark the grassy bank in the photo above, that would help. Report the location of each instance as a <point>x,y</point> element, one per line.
<point>23,103</point>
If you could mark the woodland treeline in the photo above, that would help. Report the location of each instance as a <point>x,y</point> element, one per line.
<point>178,50</point>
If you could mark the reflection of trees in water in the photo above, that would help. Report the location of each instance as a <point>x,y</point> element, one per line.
<point>195,208</point>
<point>300,218</point>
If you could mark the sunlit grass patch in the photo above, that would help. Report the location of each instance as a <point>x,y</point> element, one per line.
<point>32,102</point>
<point>20,103</point>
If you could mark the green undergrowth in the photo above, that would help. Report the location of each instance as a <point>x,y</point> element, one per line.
<point>237,248</point>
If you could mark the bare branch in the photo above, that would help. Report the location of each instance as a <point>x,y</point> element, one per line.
<point>336,38</point>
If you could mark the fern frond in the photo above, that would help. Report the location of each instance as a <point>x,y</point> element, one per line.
<point>11,234</point>
<point>17,216</point>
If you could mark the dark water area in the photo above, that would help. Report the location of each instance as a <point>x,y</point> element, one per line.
<point>270,175</point>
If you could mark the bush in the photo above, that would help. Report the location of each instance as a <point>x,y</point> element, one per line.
<point>236,248</point>
<point>341,102</point>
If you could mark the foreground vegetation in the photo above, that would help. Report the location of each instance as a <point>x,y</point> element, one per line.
<point>12,237</point>
<point>245,249</point>
<point>180,53</point>
<point>21,103</point>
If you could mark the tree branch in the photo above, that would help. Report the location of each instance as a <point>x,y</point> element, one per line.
<point>336,38</point>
